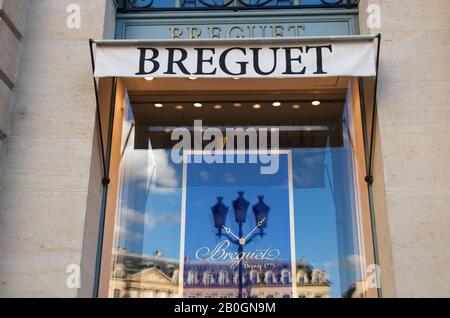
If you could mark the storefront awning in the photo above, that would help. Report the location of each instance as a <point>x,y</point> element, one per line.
<point>244,58</point>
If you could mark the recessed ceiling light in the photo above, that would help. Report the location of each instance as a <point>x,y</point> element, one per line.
<point>149,78</point>
<point>257,106</point>
<point>159,105</point>
<point>316,103</point>
<point>179,107</point>
<point>198,105</point>
<point>217,107</point>
<point>192,78</point>
<point>296,106</point>
<point>236,78</point>
<point>237,104</point>
<point>276,104</point>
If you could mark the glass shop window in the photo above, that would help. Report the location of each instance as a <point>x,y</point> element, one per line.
<point>210,225</point>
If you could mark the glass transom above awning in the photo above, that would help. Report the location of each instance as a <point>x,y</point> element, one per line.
<point>306,57</point>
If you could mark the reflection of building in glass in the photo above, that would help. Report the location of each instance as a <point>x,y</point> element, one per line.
<point>311,282</point>
<point>137,276</point>
<point>156,276</point>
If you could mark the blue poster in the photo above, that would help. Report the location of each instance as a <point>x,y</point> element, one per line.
<point>237,228</point>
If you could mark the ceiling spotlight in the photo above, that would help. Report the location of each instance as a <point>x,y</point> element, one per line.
<point>149,78</point>
<point>276,104</point>
<point>179,107</point>
<point>159,105</point>
<point>257,106</point>
<point>296,106</point>
<point>236,78</point>
<point>198,105</point>
<point>192,78</point>
<point>237,104</point>
<point>316,103</point>
<point>217,107</point>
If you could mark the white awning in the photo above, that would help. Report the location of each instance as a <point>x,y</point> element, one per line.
<point>244,58</point>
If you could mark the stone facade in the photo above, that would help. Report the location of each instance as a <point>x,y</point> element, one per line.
<point>12,26</point>
<point>413,148</point>
<point>46,167</point>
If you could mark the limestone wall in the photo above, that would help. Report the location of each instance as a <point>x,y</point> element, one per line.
<point>413,143</point>
<point>49,146</point>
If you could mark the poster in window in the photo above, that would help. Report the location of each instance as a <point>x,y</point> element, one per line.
<point>237,228</point>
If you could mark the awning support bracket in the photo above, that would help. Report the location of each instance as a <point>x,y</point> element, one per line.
<point>369,177</point>
<point>106,163</point>
<point>98,115</point>
<point>370,150</point>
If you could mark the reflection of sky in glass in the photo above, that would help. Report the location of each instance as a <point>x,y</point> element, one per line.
<point>325,206</point>
<point>206,182</point>
<point>315,222</point>
<point>314,208</point>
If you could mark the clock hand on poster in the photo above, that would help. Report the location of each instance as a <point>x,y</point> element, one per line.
<point>228,231</point>
<point>244,240</point>
<point>258,225</point>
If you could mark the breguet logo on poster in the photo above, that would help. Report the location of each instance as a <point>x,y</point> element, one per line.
<point>221,253</point>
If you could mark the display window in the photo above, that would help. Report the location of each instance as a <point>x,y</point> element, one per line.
<point>249,193</point>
